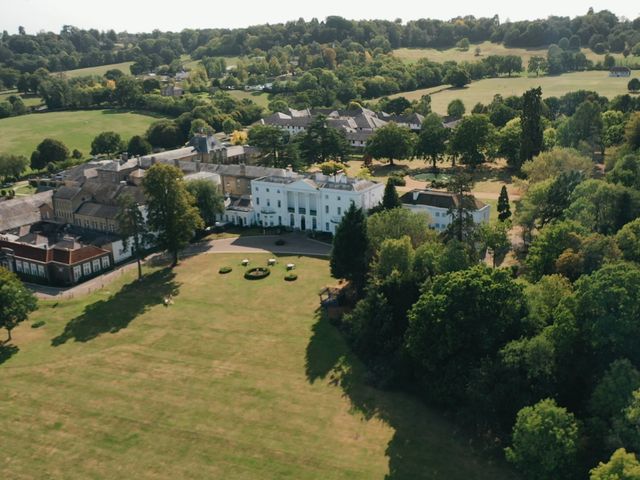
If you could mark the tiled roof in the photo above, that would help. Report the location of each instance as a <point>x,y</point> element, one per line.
<point>433,198</point>
<point>23,210</point>
<point>98,210</point>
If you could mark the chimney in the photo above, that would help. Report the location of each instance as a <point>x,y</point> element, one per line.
<point>416,194</point>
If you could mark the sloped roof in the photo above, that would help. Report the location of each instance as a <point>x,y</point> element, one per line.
<point>22,210</point>
<point>99,210</point>
<point>433,198</point>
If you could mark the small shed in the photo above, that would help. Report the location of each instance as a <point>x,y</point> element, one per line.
<point>620,71</point>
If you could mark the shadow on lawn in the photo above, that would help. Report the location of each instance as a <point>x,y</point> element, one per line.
<point>7,351</point>
<point>424,445</point>
<point>116,312</point>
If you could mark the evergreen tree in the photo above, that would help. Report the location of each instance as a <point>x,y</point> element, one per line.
<point>132,227</point>
<point>461,226</point>
<point>390,199</point>
<point>350,246</point>
<point>504,209</point>
<point>531,140</point>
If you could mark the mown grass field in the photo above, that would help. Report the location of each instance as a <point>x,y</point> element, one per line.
<point>412,55</point>
<point>236,379</point>
<point>20,135</point>
<point>260,98</point>
<point>484,90</point>
<point>29,100</point>
<point>99,70</point>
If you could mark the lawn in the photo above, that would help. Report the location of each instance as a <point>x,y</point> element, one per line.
<point>21,135</point>
<point>412,55</point>
<point>30,100</point>
<point>484,90</point>
<point>236,379</point>
<point>99,70</point>
<point>260,98</point>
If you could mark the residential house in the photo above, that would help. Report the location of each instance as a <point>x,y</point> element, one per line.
<point>439,205</point>
<point>618,71</point>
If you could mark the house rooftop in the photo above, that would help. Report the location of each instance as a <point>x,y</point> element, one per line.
<point>435,198</point>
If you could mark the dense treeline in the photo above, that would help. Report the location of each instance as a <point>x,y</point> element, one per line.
<point>541,357</point>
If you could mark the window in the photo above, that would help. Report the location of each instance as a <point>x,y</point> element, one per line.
<point>279,220</point>
<point>279,203</point>
<point>326,226</point>
<point>34,269</point>
<point>257,200</point>
<point>326,209</point>
<point>257,189</point>
<point>77,273</point>
<point>86,268</point>
<point>41,271</point>
<point>338,197</point>
<point>326,197</point>
<point>268,202</point>
<point>339,210</point>
<point>267,190</point>
<point>19,265</point>
<point>105,262</point>
<point>437,214</point>
<point>96,265</point>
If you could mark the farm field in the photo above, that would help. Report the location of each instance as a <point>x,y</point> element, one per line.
<point>412,55</point>
<point>236,379</point>
<point>484,90</point>
<point>99,70</point>
<point>21,135</point>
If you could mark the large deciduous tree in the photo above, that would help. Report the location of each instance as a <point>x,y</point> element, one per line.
<point>622,465</point>
<point>133,228</point>
<point>432,138</point>
<point>472,140</point>
<point>171,210</point>
<point>209,199</point>
<point>138,146</point>
<point>107,143</point>
<point>12,166</point>
<point>16,301</point>
<point>545,442</point>
<point>48,151</point>
<point>391,141</point>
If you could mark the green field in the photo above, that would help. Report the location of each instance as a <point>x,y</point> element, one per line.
<point>412,55</point>
<point>29,100</point>
<point>484,90</point>
<point>21,135</point>
<point>99,70</point>
<point>259,98</point>
<point>236,379</point>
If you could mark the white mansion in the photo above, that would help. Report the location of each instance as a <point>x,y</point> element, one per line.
<point>310,202</point>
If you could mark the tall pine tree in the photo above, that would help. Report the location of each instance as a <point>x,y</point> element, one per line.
<point>530,120</point>
<point>504,209</point>
<point>390,199</point>
<point>350,246</point>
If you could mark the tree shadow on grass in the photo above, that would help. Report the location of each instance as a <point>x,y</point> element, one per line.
<point>116,312</point>
<point>425,445</point>
<point>7,351</point>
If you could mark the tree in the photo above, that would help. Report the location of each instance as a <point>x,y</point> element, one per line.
<point>537,64</point>
<point>320,142</point>
<point>634,85</point>
<point>12,166</point>
<point>628,240</point>
<point>209,199</point>
<point>457,77</point>
<point>495,237</point>
<point>462,224</point>
<point>16,301</point>
<point>132,228</point>
<point>509,140</point>
<point>164,134</point>
<point>350,247</point>
<point>550,243</point>
<point>460,319</point>
<point>171,210</point>
<point>504,209</point>
<point>632,131</point>
<point>531,123</point>
<point>544,442</point>
<point>138,146</point>
<point>552,163</point>
<point>432,138</point>
<point>472,139</point>
<point>391,141</point>
<point>390,199</point>
<point>621,466</point>
<point>107,143</point>
<point>48,151</point>
<point>456,109</point>
<point>271,140</point>
<point>397,223</point>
